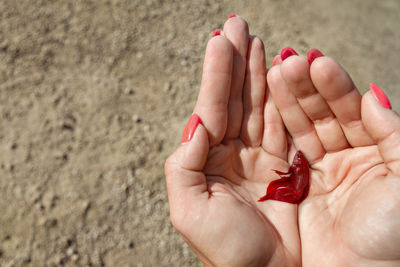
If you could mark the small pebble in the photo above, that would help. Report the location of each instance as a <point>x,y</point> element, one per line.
<point>75,257</point>
<point>146,127</point>
<point>184,63</point>
<point>10,167</point>
<point>70,251</point>
<point>167,86</point>
<point>4,45</point>
<point>39,206</point>
<point>136,118</point>
<point>129,91</point>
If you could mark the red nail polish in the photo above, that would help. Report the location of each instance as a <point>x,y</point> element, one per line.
<point>287,52</point>
<point>313,54</point>
<point>380,95</point>
<point>277,60</point>
<point>190,128</point>
<point>232,15</point>
<point>216,32</point>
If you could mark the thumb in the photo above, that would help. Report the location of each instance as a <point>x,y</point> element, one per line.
<point>383,125</point>
<point>183,169</point>
<point>194,148</point>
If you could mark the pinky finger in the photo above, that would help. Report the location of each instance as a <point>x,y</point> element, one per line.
<point>274,138</point>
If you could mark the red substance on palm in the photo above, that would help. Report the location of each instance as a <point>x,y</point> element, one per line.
<point>294,185</point>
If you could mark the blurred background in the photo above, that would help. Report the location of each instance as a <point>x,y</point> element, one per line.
<point>94,96</point>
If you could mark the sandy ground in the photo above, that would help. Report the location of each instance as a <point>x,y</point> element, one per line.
<point>94,96</point>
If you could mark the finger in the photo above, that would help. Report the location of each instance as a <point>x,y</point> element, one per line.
<point>383,125</point>
<point>339,91</point>
<point>274,137</point>
<point>295,72</point>
<point>212,103</point>
<point>277,60</point>
<point>217,32</point>
<point>185,180</point>
<point>253,94</point>
<point>296,121</point>
<point>237,31</point>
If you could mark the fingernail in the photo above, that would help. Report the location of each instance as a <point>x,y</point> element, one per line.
<point>287,52</point>
<point>232,15</point>
<point>313,54</point>
<point>190,128</point>
<point>216,32</point>
<point>380,95</point>
<point>277,60</point>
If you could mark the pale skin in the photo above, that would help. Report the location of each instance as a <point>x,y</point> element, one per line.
<point>352,214</point>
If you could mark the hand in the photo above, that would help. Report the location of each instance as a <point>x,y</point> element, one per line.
<point>352,214</point>
<point>215,179</point>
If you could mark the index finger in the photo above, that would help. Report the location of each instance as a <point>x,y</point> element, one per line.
<point>212,102</point>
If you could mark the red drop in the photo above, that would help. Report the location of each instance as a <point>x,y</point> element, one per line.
<point>293,186</point>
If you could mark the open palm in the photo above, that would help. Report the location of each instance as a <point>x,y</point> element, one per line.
<point>227,165</point>
<point>352,214</point>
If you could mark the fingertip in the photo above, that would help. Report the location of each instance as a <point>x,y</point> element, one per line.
<point>219,44</point>
<point>288,52</point>
<point>374,115</point>
<point>190,128</point>
<point>232,15</point>
<point>195,151</point>
<point>295,70</point>
<point>378,120</point>
<point>216,32</point>
<point>256,50</point>
<point>257,42</point>
<point>331,80</point>
<point>236,23</point>
<point>380,96</point>
<point>325,70</point>
<point>312,54</point>
<point>277,60</point>
<point>236,29</point>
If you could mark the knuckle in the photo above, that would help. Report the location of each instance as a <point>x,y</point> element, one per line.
<point>170,164</point>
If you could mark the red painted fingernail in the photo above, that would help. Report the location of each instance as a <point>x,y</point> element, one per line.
<point>277,60</point>
<point>232,15</point>
<point>190,128</point>
<point>313,54</point>
<point>287,52</point>
<point>380,96</point>
<point>216,32</point>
